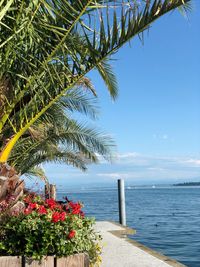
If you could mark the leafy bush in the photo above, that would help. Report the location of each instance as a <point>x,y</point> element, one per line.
<point>47,227</point>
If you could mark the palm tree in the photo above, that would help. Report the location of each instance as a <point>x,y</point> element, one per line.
<point>56,137</point>
<point>46,47</point>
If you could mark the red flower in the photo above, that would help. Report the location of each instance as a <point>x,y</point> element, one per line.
<point>32,206</point>
<point>51,203</point>
<point>71,234</point>
<point>42,210</point>
<point>76,207</point>
<point>27,211</point>
<point>56,217</point>
<point>29,198</point>
<point>58,207</point>
<point>62,216</point>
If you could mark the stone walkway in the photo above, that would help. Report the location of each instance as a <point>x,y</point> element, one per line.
<point>119,251</point>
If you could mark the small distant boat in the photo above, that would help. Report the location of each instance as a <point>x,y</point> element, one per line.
<point>153,186</point>
<point>129,187</point>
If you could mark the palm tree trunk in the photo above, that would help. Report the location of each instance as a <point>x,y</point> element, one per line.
<point>11,187</point>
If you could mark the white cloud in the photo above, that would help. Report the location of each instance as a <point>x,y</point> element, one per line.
<point>113,175</point>
<point>192,162</point>
<point>128,155</point>
<point>156,169</point>
<point>161,136</point>
<point>132,166</point>
<point>116,175</point>
<point>165,136</point>
<point>131,158</point>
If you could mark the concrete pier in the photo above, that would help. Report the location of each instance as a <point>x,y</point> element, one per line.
<point>120,251</point>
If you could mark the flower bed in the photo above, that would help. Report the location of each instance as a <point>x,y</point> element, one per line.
<point>48,228</point>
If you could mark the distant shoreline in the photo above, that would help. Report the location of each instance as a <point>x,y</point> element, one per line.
<point>188,184</point>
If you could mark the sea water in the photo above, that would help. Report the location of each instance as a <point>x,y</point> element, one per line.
<point>166,219</point>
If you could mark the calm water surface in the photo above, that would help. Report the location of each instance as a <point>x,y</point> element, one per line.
<point>166,219</point>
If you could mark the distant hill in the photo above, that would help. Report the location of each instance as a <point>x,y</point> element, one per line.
<point>188,184</point>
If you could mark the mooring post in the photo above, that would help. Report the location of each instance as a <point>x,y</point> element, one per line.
<point>50,191</point>
<point>53,191</point>
<point>47,190</point>
<point>121,200</point>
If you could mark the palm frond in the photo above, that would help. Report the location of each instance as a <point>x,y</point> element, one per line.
<point>64,141</point>
<point>35,171</point>
<point>108,77</point>
<point>186,8</point>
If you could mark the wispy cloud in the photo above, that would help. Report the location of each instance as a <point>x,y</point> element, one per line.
<point>164,136</point>
<point>113,175</point>
<point>161,136</point>
<point>156,169</point>
<point>128,155</point>
<point>118,175</point>
<point>132,166</point>
<point>192,162</point>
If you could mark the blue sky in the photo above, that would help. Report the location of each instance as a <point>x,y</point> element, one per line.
<point>155,120</point>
